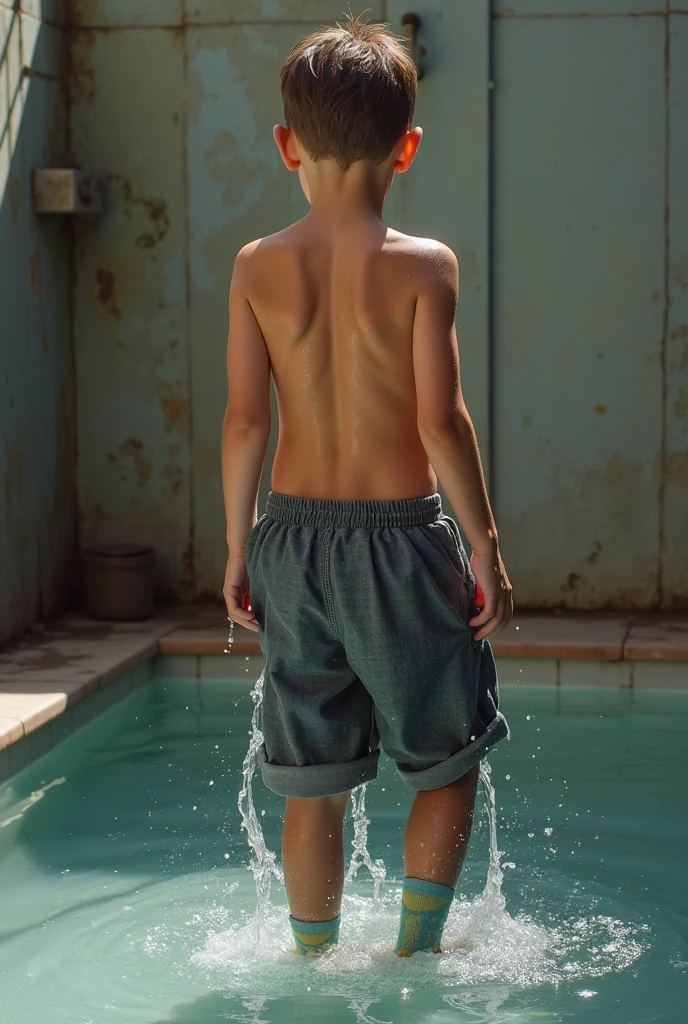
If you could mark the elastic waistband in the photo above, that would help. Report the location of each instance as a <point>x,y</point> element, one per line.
<point>329,513</point>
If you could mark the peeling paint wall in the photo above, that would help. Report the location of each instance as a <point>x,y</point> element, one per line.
<point>562,197</point>
<point>38,543</point>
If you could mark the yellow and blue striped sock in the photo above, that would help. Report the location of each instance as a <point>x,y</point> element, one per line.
<point>424,910</point>
<point>315,936</point>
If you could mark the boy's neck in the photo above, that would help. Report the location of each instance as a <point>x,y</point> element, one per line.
<point>357,193</point>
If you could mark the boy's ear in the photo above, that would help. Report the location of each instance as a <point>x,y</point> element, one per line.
<point>285,143</point>
<point>408,149</point>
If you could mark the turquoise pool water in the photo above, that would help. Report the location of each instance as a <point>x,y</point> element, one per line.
<point>126,895</point>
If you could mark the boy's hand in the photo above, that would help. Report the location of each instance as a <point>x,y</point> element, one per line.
<point>498,609</point>
<point>235,592</point>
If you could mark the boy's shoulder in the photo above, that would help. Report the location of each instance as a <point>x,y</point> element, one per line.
<point>253,256</point>
<point>426,254</point>
<point>422,259</point>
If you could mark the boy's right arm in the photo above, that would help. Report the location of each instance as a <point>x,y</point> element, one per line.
<point>447,432</point>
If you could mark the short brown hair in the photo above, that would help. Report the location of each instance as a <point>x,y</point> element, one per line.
<point>349,91</point>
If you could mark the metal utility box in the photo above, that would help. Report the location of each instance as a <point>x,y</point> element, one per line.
<point>66,190</point>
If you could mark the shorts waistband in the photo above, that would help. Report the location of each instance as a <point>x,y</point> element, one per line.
<point>330,513</point>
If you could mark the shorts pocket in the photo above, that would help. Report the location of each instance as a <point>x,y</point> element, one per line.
<point>252,538</point>
<point>453,545</point>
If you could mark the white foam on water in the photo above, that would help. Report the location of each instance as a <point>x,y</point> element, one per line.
<point>483,945</point>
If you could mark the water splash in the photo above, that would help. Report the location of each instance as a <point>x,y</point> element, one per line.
<point>490,906</point>
<point>361,855</point>
<point>483,944</point>
<point>263,861</point>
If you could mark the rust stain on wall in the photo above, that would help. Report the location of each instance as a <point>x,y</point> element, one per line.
<point>572,583</point>
<point>676,467</point>
<point>131,451</point>
<point>681,334</point>
<point>175,409</point>
<point>679,272</point>
<point>173,473</point>
<point>683,360</point>
<point>105,281</point>
<point>681,404</point>
<point>594,554</point>
<point>157,211</point>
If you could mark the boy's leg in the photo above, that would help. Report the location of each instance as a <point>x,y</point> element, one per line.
<point>438,830</point>
<point>313,853</point>
<point>437,834</point>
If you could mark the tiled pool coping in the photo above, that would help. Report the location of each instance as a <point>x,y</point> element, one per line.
<point>45,678</point>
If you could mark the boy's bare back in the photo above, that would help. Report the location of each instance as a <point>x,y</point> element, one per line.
<point>353,320</point>
<point>338,306</point>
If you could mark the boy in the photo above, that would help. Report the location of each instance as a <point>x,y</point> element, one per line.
<point>360,588</point>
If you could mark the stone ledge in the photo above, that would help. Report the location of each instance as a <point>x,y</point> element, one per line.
<point>657,639</point>
<point>551,636</point>
<point>56,667</point>
<point>563,637</point>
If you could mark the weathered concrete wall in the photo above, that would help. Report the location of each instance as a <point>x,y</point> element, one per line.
<point>38,565</point>
<point>565,208</point>
<point>589,288</point>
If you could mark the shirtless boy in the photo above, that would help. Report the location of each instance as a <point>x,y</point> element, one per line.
<point>360,589</point>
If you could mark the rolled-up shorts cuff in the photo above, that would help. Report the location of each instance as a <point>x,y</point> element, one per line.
<point>319,779</point>
<point>446,772</point>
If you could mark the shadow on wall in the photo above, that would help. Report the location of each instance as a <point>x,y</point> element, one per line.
<point>38,511</point>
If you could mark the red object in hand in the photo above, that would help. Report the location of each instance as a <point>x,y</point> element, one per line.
<point>246,602</point>
<point>479,597</point>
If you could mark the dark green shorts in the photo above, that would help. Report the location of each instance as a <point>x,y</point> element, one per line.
<point>363,609</point>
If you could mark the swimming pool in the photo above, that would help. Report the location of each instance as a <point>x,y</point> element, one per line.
<point>126,895</point>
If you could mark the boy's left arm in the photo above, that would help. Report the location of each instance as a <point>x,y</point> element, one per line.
<point>245,433</point>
